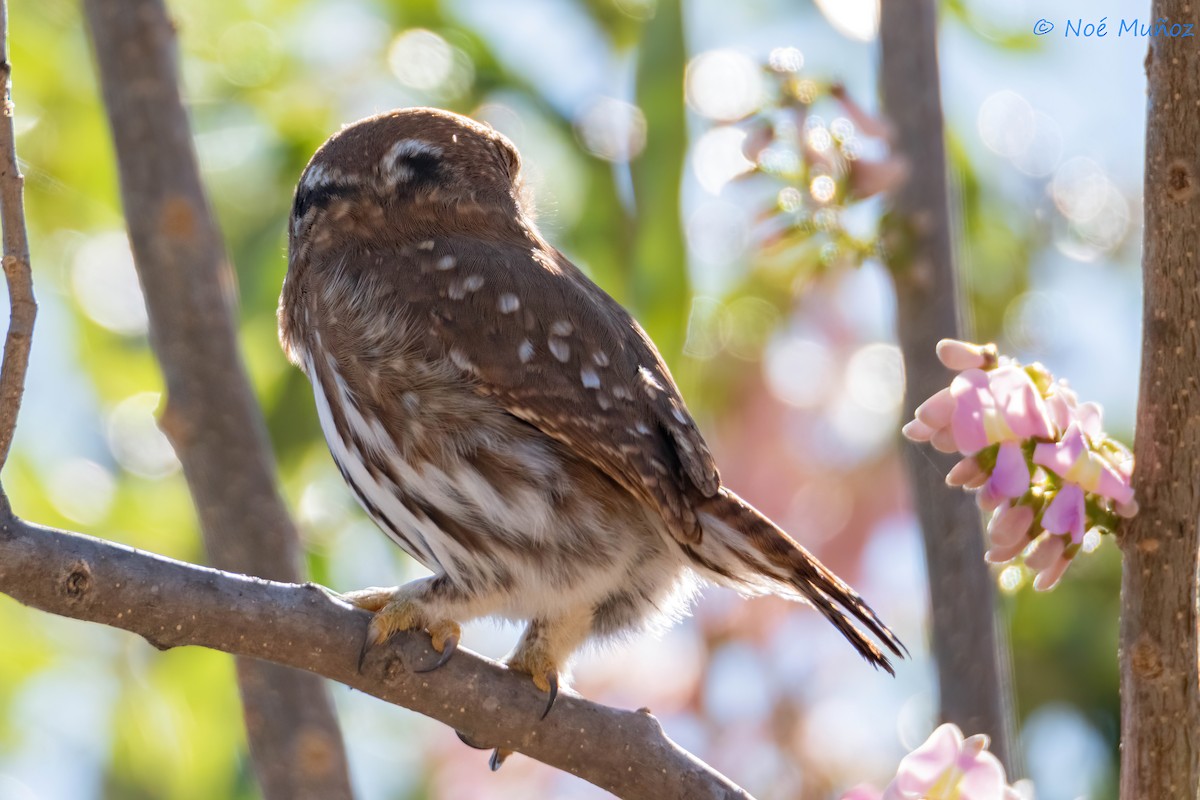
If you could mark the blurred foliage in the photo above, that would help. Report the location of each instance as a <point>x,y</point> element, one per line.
<point>268,81</point>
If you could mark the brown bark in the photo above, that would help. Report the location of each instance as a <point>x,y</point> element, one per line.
<point>1160,654</point>
<point>22,307</point>
<point>211,415</point>
<point>172,604</point>
<point>968,646</point>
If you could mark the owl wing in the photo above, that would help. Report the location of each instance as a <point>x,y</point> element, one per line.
<point>532,331</point>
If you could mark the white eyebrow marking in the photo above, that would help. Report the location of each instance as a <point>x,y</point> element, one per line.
<point>412,147</point>
<point>508,303</point>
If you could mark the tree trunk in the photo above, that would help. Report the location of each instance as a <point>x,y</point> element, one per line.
<point>1160,677</point>
<point>211,415</point>
<point>972,659</point>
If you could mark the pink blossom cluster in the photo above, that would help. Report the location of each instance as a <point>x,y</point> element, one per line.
<point>945,767</point>
<point>1038,459</point>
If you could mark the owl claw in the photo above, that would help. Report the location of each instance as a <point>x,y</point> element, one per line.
<point>498,757</point>
<point>552,680</point>
<point>449,646</point>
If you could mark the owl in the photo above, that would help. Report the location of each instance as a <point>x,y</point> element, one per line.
<point>501,418</point>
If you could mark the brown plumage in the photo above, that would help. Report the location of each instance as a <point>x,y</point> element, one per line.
<point>503,419</point>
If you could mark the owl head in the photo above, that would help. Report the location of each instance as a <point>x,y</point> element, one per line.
<point>414,155</point>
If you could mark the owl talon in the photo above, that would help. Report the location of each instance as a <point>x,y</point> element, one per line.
<point>498,757</point>
<point>449,646</point>
<point>552,680</point>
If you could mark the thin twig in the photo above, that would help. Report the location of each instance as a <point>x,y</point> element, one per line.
<point>171,604</point>
<point>22,306</point>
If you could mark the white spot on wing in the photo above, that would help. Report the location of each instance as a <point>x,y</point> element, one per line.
<point>649,382</point>
<point>590,378</point>
<point>447,262</point>
<point>525,351</point>
<point>600,358</point>
<point>508,303</point>
<point>473,283</point>
<point>461,360</point>
<point>560,349</point>
<point>426,245</point>
<point>562,328</point>
<point>622,393</point>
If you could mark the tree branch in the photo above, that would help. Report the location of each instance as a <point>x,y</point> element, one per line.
<point>22,306</point>
<point>171,604</point>
<point>211,414</point>
<point>972,660</point>
<point>1160,651</point>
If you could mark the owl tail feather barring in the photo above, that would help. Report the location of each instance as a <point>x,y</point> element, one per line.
<point>502,419</point>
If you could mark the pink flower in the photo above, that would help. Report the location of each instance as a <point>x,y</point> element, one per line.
<point>1002,405</point>
<point>937,411</point>
<point>958,355</point>
<point>1008,532</point>
<point>967,473</point>
<point>1074,461</point>
<point>1066,513</point>
<point>1049,560</point>
<point>949,767</point>
<point>1010,477</point>
<point>945,767</point>
<point>1061,403</point>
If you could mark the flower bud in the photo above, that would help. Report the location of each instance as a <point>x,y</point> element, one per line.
<point>958,355</point>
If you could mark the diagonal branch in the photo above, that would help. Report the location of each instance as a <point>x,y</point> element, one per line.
<point>211,414</point>
<point>171,604</point>
<point>22,306</point>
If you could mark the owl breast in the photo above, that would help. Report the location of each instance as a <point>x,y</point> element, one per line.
<point>474,493</point>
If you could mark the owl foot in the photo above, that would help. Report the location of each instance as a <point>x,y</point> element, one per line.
<point>445,635</point>
<point>395,612</point>
<point>542,669</point>
<point>545,677</point>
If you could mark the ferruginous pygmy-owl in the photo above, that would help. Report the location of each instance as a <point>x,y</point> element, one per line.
<point>500,417</point>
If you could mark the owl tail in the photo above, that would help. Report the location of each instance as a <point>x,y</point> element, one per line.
<point>744,550</point>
